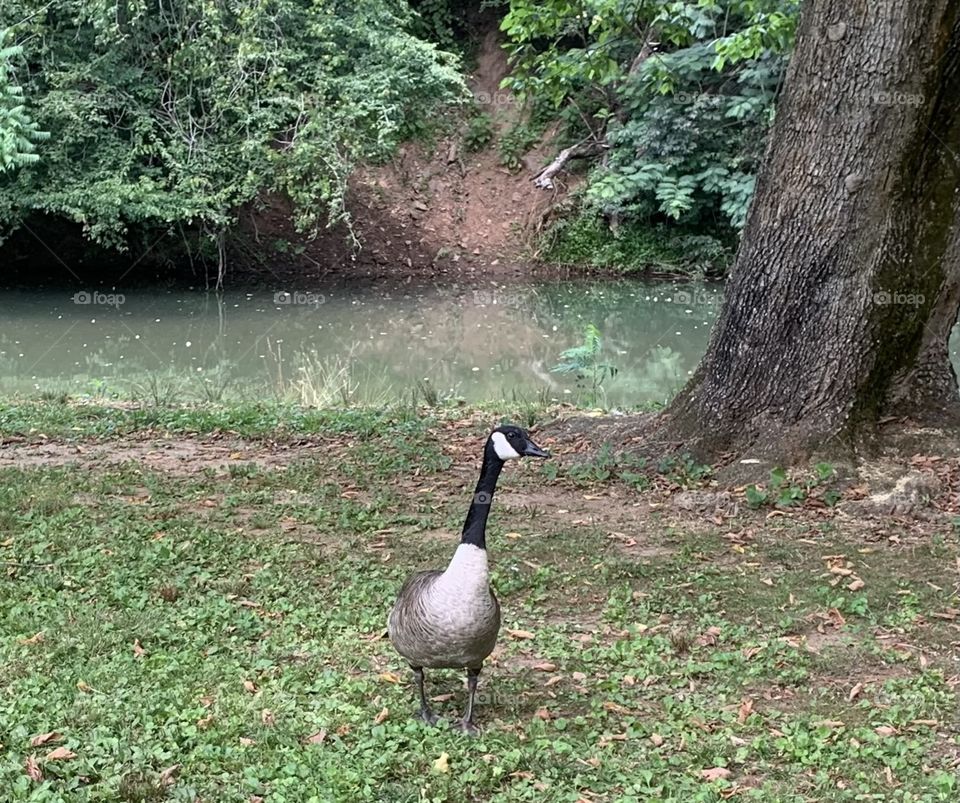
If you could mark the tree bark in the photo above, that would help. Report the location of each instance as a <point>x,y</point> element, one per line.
<point>847,281</point>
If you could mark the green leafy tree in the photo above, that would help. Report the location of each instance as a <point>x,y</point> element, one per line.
<point>678,96</point>
<point>18,132</point>
<point>169,115</point>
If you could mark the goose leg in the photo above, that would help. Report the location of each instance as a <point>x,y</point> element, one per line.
<point>424,713</point>
<point>466,724</point>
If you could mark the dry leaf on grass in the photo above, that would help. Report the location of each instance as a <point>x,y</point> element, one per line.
<point>854,692</point>
<point>442,764</point>
<point>389,677</point>
<point>317,737</point>
<point>545,666</point>
<point>715,774</point>
<point>43,738</point>
<point>521,634</point>
<point>246,742</point>
<point>33,769</point>
<point>60,754</point>
<point>746,709</point>
<point>384,713</point>
<point>250,686</point>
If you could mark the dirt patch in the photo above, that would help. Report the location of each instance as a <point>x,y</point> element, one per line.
<point>177,456</point>
<point>437,209</point>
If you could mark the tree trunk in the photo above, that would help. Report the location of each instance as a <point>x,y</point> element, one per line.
<point>847,281</point>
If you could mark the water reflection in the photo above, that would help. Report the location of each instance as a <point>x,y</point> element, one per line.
<point>476,342</point>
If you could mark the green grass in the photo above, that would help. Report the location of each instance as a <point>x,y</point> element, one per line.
<point>213,621</point>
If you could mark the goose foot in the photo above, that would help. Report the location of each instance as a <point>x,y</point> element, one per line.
<point>428,716</point>
<point>468,727</point>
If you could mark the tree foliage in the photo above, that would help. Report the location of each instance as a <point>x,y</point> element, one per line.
<point>176,113</point>
<point>681,94</point>
<point>18,132</point>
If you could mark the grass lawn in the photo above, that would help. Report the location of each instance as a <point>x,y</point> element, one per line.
<point>191,606</point>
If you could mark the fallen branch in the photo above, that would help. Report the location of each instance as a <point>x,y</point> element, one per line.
<point>544,179</point>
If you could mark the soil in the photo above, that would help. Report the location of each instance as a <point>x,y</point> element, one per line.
<point>434,208</point>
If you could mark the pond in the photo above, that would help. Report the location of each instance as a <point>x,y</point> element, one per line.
<point>360,342</point>
<point>371,342</point>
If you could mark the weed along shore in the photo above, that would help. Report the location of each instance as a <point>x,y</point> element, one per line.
<point>193,600</point>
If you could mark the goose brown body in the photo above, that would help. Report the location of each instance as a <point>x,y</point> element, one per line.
<point>447,620</point>
<point>450,619</point>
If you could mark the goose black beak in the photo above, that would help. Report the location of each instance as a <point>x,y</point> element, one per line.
<point>532,450</point>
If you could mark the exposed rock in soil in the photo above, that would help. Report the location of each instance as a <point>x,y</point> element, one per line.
<point>909,497</point>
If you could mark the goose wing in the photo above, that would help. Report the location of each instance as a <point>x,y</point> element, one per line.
<point>409,597</point>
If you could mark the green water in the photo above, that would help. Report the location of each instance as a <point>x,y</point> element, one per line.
<point>354,342</point>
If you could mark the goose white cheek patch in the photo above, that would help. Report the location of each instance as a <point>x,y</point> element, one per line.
<point>504,450</point>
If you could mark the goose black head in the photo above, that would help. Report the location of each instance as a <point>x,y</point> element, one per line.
<point>510,442</point>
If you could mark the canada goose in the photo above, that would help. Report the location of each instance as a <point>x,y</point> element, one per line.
<point>450,619</point>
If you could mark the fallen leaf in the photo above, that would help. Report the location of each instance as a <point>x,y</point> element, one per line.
<point>545,666</point>
<point>246,742</point>
<point>715,774</point>
<point>442,764</point>
<point>267,717</point>
<point>250,686</point>
<point>441,698</point>
<point>36,638</point>
<point>167,776</point>
<point>656,739</point>
<point>83,686</point>
<point>512,535</point>
<point>885,730</point>
<point>854,692</point>
<point>542,713</point>
<point>521,634</point>
<point>384,713</point>
<point>43,738</point>
<point>553,679</point>
<point>615,707</point>
<point>579,677</point>
<point>855,585</point>
<point>33,769</point>
<point>389,677</point>
<point>317,737</point>
<point>204,722</point>
<point>138,651</point>
<point>746,709</point>
<point>888,774</point>
<point>60,754</point>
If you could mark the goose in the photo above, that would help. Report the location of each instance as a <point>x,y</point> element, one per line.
<point>450,619</point>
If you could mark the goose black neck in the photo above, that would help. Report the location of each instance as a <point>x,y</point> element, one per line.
<point>475,527</point>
